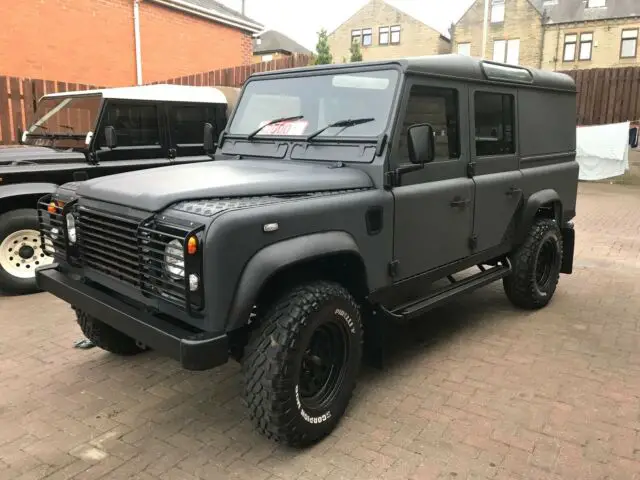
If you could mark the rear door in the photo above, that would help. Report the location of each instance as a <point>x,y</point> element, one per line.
<point>494,154</point>
<point>186,128</point>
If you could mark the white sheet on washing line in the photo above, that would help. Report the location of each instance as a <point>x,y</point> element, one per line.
<point>602,150</point>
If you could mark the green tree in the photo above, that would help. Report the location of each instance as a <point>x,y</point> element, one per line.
<point>356,52</point>
<point>323,52</point>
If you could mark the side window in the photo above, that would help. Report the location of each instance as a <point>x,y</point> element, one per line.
<point>494,115</point>
<point>135,125</point>
<point>439,108</point>
<point>187,123</point>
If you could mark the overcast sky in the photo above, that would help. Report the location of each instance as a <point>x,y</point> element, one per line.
<point>302,19</point>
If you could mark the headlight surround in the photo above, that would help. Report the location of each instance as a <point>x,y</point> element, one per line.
<point>174,259</point>
<point>71,228</point>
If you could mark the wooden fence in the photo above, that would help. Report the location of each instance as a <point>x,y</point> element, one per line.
<point>607,95</point>
<point>604,95</point>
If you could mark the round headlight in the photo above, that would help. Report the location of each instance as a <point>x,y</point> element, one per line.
<point>174,259</point>
<point>71,228</point>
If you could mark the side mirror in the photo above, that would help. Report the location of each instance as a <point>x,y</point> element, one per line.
<point>110,137</point>
<point>421,143</point>
<point>209,145</point>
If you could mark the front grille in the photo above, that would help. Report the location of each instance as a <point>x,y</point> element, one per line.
<point>132,251</point>
<point>108,244</point>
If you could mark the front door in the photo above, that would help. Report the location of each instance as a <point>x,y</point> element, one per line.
<point>434,205</point>
<point>498,179</point>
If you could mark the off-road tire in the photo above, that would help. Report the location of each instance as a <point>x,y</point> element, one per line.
<point>273,363</point>
<point>11,222</point>
<point>542,249</point>
<point>107,337</point>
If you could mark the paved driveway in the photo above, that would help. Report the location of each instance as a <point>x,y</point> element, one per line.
<point>476,390</point>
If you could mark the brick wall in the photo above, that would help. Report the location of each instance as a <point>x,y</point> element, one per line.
<point>416,38</point>
<point>92,41</point>
<point>607,37</point>
<point>521,22</point>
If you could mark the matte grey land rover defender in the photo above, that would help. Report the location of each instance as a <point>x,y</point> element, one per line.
<point>339,197</point>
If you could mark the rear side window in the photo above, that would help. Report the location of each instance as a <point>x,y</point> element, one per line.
<point>494,116</point>
<point>135,125</point>
<point>187,122</point>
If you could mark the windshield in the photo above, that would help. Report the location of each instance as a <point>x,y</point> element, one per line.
<point>64,122</point>
<point>319,100</point>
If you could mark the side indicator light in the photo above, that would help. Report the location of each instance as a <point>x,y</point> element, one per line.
<point>192,245</point>
<point>52,208</point>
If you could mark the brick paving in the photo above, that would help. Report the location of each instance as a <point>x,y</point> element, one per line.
<point>477,390</point>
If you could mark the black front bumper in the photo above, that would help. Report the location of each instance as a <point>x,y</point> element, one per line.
<point>195,351</point>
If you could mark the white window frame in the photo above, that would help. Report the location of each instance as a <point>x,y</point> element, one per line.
<point>267,58</point>
<point>596,3</point>
<point>464,49</point>
<point>507,51</point>
<point>384,31</point>
<point>586,38</point>
<point>570,39</point>
<point>629,35</point>
<point>497,11</point>
<point>367,32</point>
<point>356,35</point>
<point>394,38</point>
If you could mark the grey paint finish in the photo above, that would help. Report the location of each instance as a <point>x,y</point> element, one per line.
<point>219,179</point>
<point>37,155</point>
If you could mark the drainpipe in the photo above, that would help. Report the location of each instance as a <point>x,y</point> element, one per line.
<point>485,25</point>
<point>136,30</point>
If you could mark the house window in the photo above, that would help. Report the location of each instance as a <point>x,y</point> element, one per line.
<point>395,34</point>
<point>494,117</point>
<point>267,58</point>
<point>464,49</point>
<point>356,36</point>
<point>596,3</point>
<point>629,45</point>
<point>586,46</point>
<point>383,35</point>
<point>497,11</point>
<point>367,37</point>
<point>569,54</point>
<point>506,51</point>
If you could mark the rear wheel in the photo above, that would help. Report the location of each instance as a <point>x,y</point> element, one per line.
<point>536,266</point>
<point>20,251</point>
<point>301,364</point>
<point>107,337</point>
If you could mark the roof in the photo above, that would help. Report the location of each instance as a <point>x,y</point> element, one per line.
<point>566,11</point>
<point>273,41</point>
<point>423,12</point>
<point>160,92</point>
<point>214,11</point>
<point>443,66</point>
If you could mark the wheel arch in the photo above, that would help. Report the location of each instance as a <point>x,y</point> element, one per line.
<point>544,203</point>
<point>330,255</point>
<point>23,195</point>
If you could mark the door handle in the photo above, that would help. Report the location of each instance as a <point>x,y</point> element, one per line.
<point>513,191</point>
<point>459,203</point>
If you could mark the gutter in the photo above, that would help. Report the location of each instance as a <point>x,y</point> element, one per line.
<point>136,32</point>
<point>183,6</point>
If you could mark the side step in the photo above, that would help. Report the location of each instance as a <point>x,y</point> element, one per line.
<point>486,276</point>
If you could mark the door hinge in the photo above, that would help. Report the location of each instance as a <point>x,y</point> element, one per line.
<point>393,268</point>
<point>172,153</point>
<point>473,242</point>
<point>471,169</point>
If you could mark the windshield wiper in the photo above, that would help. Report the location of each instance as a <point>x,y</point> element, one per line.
<point>349,122</point>
<point>271,122</point>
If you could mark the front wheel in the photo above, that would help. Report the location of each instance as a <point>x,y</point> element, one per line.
<point>536,266</point>
<point>301,364</point>
<point>20,251</point>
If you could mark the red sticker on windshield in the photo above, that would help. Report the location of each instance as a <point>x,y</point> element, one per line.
<point>296,127</point>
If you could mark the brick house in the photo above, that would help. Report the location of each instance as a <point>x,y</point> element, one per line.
<point>385,30</point>
<point>96,41</point>
<point>551,34</point>
<point>273,45</point>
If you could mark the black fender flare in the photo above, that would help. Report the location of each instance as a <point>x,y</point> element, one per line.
<point>26,189</point>
<point>533,204</point>
<point>277,257</point>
